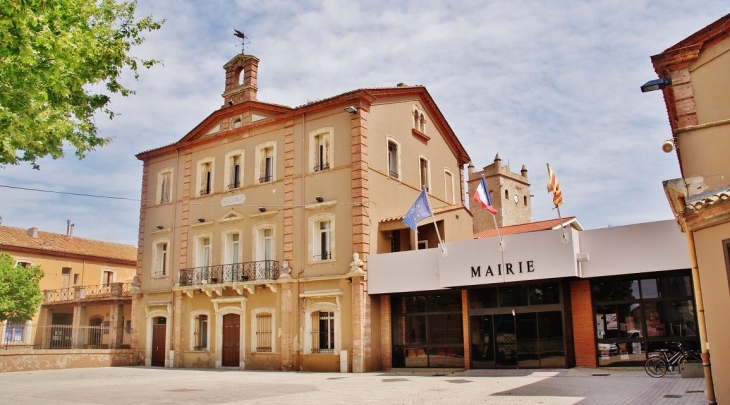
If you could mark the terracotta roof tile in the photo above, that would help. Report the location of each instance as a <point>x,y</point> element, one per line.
<point>528,227</point>
<point>54,242</point>
<point>705,200</point>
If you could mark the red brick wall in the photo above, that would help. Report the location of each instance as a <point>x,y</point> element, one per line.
<point>386,338</point>
<point>465,325</point>
<point>584,336</point>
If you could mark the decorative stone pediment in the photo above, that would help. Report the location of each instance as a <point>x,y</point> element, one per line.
<point>232,216</point>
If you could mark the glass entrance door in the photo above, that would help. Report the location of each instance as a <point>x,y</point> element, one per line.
<point>527,340</point>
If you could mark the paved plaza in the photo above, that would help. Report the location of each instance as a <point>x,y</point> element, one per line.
<point>147,385</point>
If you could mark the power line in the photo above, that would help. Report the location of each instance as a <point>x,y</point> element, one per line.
<point>152,201</point>
<point>69,193</point>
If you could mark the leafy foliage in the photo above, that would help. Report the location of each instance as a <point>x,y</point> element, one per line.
<point>52,53</point>
<point>20,294</point>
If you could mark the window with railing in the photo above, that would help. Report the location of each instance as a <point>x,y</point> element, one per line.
<point>263,332</point>
<point>265,162</point>
<point>323,240</point>
<point>205,177</point>
<point>234,169</point>
<point>321,148</point>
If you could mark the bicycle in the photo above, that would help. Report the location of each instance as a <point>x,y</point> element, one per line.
<point>658,364</point>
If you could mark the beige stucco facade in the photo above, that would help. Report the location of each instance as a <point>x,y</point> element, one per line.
<point>85,283</point>
<point>698,105</point>
<point>250,223</point>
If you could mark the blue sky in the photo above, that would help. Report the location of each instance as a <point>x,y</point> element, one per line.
<point>535,81</point>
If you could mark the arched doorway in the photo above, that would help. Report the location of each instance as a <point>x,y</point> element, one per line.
<point>159,332</point>
<point>231,340</point>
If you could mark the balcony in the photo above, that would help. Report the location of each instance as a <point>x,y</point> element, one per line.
<point>230,273</point>
<point>87,292</point>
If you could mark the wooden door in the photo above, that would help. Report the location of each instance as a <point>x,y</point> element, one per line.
<point>159,332</point>
<point>231,340</point>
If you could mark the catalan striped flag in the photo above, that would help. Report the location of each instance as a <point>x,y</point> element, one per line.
<point>554,187</point>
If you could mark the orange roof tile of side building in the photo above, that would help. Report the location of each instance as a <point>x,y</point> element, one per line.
<point>33,240</point>
<point>536,226</point>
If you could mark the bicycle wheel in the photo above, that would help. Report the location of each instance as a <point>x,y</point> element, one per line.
<point>655,366</point>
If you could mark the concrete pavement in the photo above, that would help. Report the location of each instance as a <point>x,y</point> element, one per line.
<point>148,385</point>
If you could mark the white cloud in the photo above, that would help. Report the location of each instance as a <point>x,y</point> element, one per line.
<point>533,81</point>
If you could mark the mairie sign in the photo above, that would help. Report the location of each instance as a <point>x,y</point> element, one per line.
<point>233,200</point>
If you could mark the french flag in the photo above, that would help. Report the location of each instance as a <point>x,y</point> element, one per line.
<point>482,197</point>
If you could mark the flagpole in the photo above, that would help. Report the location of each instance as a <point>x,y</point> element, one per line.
<point>564,238</point>
<point>500,245</point>
<point>444,252</point>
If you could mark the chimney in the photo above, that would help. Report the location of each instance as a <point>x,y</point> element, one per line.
<point>241,79</point>
<point>33,232</point>
<point>69,229</point>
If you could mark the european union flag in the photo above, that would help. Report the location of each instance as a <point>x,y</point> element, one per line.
<point>418,211</point>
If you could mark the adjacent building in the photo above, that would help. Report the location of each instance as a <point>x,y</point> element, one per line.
<point>696,89</point>
<point>86,283</point>
<point>256,226</point>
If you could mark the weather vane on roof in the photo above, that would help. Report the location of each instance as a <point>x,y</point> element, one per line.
<point>244,39</point>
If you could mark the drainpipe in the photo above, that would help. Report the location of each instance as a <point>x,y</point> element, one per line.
<point>699,303</point>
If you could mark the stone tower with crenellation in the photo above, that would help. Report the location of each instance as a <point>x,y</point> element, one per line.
<point>510,194</point>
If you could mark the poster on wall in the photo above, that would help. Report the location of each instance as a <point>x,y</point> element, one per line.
<point>636,348</point>
<point>599,325</point>
<point>611,322</point>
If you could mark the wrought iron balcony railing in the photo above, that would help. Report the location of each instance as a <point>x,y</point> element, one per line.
<point>87,292</point>
<point>230,273</point>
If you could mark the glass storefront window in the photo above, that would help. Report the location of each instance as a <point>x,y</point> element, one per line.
<point>630,324</point>
<point>616,290</point>
<point>544,293</point>
<point>619,321</point>
<point>513,296</point>
<point>483,298</point>
<point>444,303</point>
<point>427,330</point>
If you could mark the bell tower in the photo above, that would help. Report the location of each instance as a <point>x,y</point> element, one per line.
<point>241,79</point>
<point>509,192</point>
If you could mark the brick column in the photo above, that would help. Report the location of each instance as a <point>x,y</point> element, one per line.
<point>288,237</point>
<point>287,325</point>
<point>465,326</point>
<point>361,332</point>
<point>185,216</point>
<point>358,329</point>
<point>142,216</point>
<point>177,328</point>
<point>135,314</point>
<point>116,326</point>
<point>584,336</point>
<point>386,333</point>
<point>683,96</point>
<point>77,333</point>
<point>44,321</point>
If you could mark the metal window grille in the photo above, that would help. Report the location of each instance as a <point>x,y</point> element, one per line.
<point>323,332</point>
<point>263,332</point>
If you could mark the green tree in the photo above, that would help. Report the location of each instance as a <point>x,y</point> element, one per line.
<point>60,60</point>
<point>20,294</point>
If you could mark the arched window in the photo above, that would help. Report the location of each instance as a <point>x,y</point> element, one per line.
<point>241,76</point>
